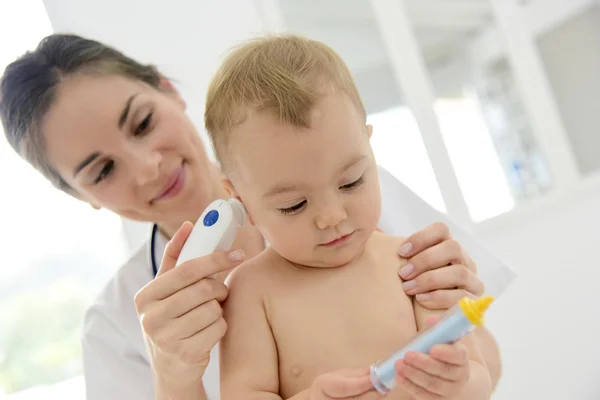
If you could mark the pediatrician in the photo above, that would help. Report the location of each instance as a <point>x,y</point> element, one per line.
<point>114,133</point>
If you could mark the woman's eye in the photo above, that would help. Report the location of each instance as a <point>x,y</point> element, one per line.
<point>353,185</point>
<point>105,172</point>
<point>292,209</point>
<point>143,126</point>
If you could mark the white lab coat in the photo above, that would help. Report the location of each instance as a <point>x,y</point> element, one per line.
<point>115,361</point>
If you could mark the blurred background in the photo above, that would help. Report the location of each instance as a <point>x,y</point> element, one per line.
<point>487,109</point>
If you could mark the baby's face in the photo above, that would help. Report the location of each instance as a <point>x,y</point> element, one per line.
<point>312,192</point>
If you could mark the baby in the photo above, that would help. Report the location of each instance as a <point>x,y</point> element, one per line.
<point>289,130</point>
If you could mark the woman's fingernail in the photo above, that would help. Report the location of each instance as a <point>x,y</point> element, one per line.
<point>409,357</point>
<point>406,270</point>
<point>423,297</point>
<point>400,368</point>
<point>236,255</point>
<point>409,285</point>
<point>405,249</point>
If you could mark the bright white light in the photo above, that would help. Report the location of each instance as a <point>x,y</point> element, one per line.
<point>399,148</point>
<point>474,158</point>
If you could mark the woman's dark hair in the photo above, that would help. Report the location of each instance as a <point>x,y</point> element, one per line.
<point>28,88</point>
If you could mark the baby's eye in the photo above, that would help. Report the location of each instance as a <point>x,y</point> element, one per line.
<point>292,209</point>
<point>353,185</point>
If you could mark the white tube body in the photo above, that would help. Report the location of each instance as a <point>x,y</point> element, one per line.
<point>452,327</point>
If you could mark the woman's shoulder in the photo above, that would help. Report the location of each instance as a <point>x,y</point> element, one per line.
<point>112,339</point>
<point>114,307</point>
<point>130,277</point>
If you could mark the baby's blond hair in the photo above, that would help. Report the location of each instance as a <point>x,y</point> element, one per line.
<point>281,74</point>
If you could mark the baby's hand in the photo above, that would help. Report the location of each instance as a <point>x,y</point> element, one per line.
<point>342,384</point>
<point>440,375</point>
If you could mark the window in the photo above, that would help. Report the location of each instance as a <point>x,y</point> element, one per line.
<point>398,147</point>
<point>481,116</point>
<point>57,253</point>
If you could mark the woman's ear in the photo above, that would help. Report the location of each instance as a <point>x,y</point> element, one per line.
<point>231,192</point>
<point>85,199</point>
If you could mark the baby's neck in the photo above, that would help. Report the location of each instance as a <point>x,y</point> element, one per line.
<point>248,239</point>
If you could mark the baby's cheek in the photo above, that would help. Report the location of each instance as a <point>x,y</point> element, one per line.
<point>369,211</point>
<point>279,235</point>
<point>293,244</point>
<point>291,241</point>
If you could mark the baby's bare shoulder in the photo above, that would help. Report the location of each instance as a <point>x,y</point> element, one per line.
<point>254,275</point>
<point>384,248</point>
<point>384,241</point>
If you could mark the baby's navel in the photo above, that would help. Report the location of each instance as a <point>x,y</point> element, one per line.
<point>296,371</point>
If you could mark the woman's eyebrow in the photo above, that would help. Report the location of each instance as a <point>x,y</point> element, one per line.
<point>125,111</point>
<point>89,159</point>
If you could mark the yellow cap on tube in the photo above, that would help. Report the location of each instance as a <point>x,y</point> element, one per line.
<point>474,309</point>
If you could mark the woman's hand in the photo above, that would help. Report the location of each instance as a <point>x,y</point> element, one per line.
<point>442,374</point>
<point>181,316</point>
<point>439,271</point>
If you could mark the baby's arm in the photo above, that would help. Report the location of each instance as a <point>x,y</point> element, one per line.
<point>248,354</point>
<point>478,384</point>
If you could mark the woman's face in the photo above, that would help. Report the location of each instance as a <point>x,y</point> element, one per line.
<point>130,148</point>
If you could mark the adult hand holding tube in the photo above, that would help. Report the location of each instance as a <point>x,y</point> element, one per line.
<point>433,365</point>
<point>441,374</point>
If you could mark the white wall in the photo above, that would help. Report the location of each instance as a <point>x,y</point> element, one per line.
<point>545,323</point>
<point>571,55</point>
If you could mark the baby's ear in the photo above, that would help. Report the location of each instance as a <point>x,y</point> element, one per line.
<point>228,186</point>
<point>232,193</point>
<point>369,130</point>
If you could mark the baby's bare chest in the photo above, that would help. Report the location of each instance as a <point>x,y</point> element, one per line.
<point>332,321</point>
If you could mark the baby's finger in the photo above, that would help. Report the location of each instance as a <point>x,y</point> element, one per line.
<point>449,372</point>
<point>405,380</point>
<point>455,354</point>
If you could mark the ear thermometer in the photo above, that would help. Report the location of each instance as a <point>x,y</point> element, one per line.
<point>455,324</point>
<point>215,229</point>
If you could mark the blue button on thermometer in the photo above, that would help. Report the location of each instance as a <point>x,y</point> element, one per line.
<point>215,229</point>
<point>211,218</point>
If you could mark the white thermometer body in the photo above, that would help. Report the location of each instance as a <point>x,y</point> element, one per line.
<point>215,230</point>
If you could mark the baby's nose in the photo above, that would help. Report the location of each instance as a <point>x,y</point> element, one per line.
<point>331,216</point>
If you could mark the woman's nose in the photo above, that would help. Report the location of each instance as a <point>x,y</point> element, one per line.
<point>331,214</point>
<point>146,167</point>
